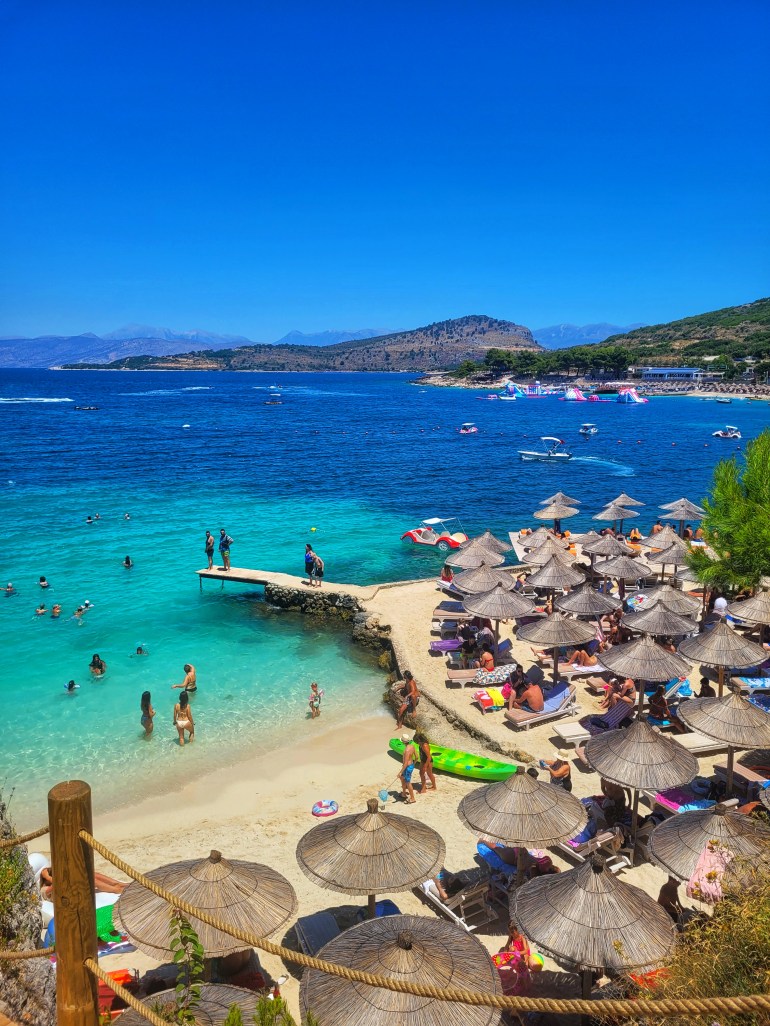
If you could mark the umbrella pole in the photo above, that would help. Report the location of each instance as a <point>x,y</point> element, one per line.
<point>497,637</point>
<point>721,680</point>
<point>586,984</point>
<point>634,826</point>
<point>371,911</point>
<point>730,759</point>
<point>555,666</point>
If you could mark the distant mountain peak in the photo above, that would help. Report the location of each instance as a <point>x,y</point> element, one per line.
<point>210,339</point>
<point>562,336</point>
<point>329,337</point>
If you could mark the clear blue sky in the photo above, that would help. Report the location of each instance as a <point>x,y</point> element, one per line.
<point>253,167</point>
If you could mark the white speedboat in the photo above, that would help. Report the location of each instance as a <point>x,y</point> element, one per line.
<point>552,452</point>
<point>468,429</point>
<point>588,429</point>
<point>728,431</point>
<point>724,400</point>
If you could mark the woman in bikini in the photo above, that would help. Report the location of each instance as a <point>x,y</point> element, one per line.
<point>147,714</point>
<point>183,718</point>
<point>97,666</point>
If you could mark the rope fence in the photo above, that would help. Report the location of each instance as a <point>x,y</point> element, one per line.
<point>125,995</point>
<point>664,1007</point>
<point>20,956</point>
<point>13,842</point>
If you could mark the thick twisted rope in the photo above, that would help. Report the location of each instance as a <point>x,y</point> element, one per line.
<point>139,1006</point>
<point>737,1005</point>
<point>13,842</point>
<point>19,956</point>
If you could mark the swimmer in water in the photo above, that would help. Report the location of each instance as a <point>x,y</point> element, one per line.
<point>128,562</point>
<point>189,683</point>
<point>97,666</point>
<point>43,583</point>
<point>70,687</point>
<point>56,610</point>
<point>140,651</point>
<point>126,516</point>
<point>9,589</point>
<point>87,605</point>
<point>89,520</point>
<point>41,610</point>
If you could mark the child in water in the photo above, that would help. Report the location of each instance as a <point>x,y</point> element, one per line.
<point>315,700</point>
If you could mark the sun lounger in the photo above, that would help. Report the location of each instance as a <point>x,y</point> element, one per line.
<point>745,779</point>
<point>480,678</point>
<point>560,702</point>
<point>450,588</point>
<point>445,645</point>
<point>678,799</point>
<point>605,841</point>
<point>315,930</point>
<point>571,733</point>
<point>699,744</point>
<point>607,719</point>
<point>469,908</point>
<point>749,685</point>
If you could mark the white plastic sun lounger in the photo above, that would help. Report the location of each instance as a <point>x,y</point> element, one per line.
<point>469,908</point>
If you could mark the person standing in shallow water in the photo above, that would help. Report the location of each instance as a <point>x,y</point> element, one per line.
<point>190,682</point>
<point>183,718</point>
<point>147,713</point>
<point>210,549</point>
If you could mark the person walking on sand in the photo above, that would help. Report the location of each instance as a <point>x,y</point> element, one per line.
<point>183,718</point>
<point>210,549</point>
<point>309,564</point>
<point>190,682</point>
<point>315,701</point>
<point>426,764</point>
<point>411,698</point>
<point>225,541</point>
<point>147,713</point>
<point>407,769</point>
<point>318,569</point>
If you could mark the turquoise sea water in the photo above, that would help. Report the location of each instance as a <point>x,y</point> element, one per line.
<point>359,457</point>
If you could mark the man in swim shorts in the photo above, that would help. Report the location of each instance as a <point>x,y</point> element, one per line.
<point>407,768</point>
<point>225,541</point>
<point>210,549</point>
<point>411,698</point>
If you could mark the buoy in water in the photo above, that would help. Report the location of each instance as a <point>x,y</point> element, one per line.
<point>313,528</point>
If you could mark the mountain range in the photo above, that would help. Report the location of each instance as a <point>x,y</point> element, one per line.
<point>563,336</point>
<point>432,347</point>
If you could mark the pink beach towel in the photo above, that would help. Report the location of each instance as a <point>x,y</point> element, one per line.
<point>705,884</point>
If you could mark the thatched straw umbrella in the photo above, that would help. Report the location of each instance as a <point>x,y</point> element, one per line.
<point>472,556</point>
<point>723,647</point>
<point>584,539</point>
<point>682,510</point>
<point>732,720</point>
<point>607,545</point>
<point>489,541</point>
<point>659,621</point>
<point>483,578</point>
<point>211,1010</point>
<point>755,609</point>
<point>677,844</point>
<point>615,512</point>
<point>370,853</point>
<point>589,918</point>
<point>671,556</point>
<point>626,500</point>
<point>673,599</point>
<point>414,949</point>
<point>624,568</point>
<point>584,601</point>
<point>689,575</point>
<point>557,511</point>
<point>522,811</point>
<point>560,497</point>
<point>644,660</point>
<point>538,536</point>
<point>499,603</point>
<point>243,894</point>
<point>642,758</point>
<point>553,632</point>
<point>556,574</point>
<point>549,547</point>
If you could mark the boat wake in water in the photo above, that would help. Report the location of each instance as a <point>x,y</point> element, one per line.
<point>616,469</point>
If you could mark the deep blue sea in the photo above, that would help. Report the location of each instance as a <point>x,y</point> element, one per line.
<point>360,458</point>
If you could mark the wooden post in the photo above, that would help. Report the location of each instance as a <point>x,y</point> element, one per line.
<point>371,909</point>
<point>69,811</point>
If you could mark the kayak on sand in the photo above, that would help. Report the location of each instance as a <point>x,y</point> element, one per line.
<point>463,764</point>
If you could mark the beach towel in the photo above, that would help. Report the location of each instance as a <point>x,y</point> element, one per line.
<point>491,699</point>
<point>681,799</point>
<point>497,676</point>
<point>705,884</point>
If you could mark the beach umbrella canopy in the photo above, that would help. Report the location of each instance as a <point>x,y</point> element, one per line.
<point>723,647</point>
<point>490,541</point>
<point>755,609</point>
<point>556,630</point>
<point>662,539</point>
<point>523,811</point>
<point>556,574</point>
<point>730,719</point>
<point>607,545</point>
<point>585,601</point>
<point>483,578</point>
<point>644,659</point>
<point>370,853</point>
<point>660,622</point>
<point>538,536</point>
<point>641,757</point>
<point>673,599</point>
<point>615,512</point>
<point>211,1010</point>
<point>584,539</point>
<point>626,500</point>
<point>588,917</point>
<point>687,574</point>
<point>624,567</point>
<point>560,497</point>
<point>691,511</point>
<point>243,894</point>
<point>549,547</point>
<point>555,511</point>
<point>677,844</point>
<point>472,556</point>
<point>671,556</point>
<point>414,949</point>
<point>499,603</point>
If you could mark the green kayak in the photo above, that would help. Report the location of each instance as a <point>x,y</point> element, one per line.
<point>463,764</point>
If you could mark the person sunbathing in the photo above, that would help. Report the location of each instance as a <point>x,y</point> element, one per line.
<point>102,883</point>
<point>619,691</point>
<point>588,655</point>
<point>531,699</point>
<point>660,710</point>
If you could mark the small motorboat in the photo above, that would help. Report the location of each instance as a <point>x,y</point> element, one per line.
<point>723,399</point>
<point>552,452</point>
<point>588,429</point>
<point>728,431</point>
<point>273,402</point>
<point>86,407</point>
<point>468,429</point>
